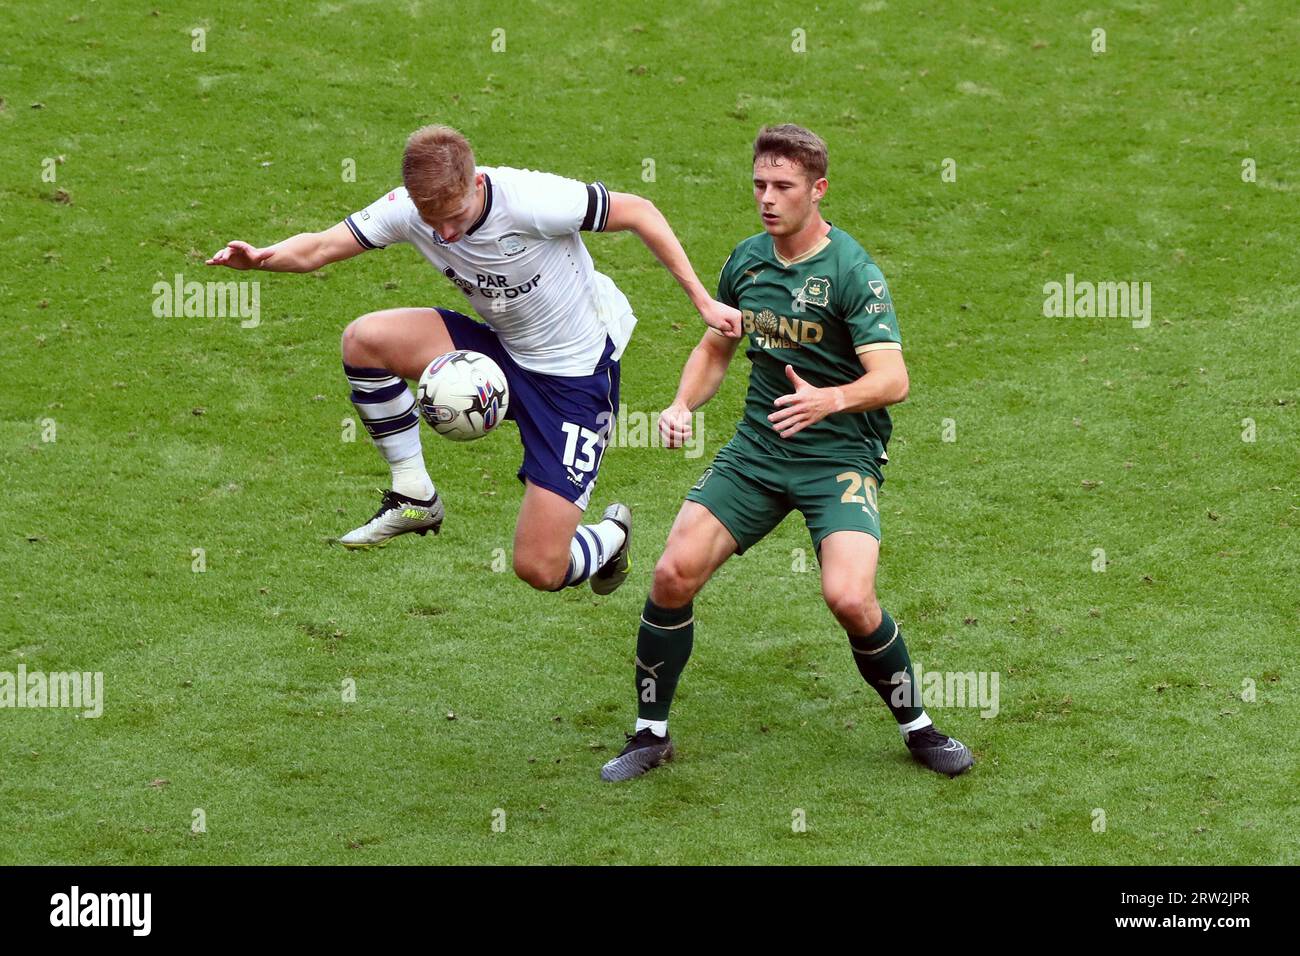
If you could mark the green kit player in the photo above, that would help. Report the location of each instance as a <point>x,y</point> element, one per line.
<point>827,362</point>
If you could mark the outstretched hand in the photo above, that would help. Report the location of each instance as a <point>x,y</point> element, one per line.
<point>240,255</point>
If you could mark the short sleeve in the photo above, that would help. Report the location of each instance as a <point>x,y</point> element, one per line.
<point>384,222</point>
<point>558,206</point>
<point>726,291</point>
<point>868,310</point>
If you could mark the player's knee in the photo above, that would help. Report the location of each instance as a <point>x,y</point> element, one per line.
<point>540,574</point>
<point>858,612</point>
<point>361,340</point>
<point>674,584</point>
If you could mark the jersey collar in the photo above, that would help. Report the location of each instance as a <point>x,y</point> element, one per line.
<point>804,257</point>
<point>487,205</point>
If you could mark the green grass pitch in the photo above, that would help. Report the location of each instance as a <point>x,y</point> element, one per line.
<point>1156,697</point>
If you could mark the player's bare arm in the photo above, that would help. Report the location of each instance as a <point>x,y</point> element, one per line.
<point>885,383</point>
<point>702,375</point>
<point>305,252</point>
<point>631,213</point>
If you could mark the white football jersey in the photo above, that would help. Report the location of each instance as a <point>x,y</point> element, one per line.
<point>522,265</point>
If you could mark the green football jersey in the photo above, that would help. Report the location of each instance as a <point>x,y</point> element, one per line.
<point>817,313</point>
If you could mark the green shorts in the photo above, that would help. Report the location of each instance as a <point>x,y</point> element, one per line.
<point>750,490</point>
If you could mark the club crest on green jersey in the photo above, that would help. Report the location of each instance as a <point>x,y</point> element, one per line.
<point>815,291</point>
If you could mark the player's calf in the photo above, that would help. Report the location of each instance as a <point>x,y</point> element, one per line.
<point>386,407</point>
<point>697,546</point>
<point>542,572</point>
<point>597,552</point>
<point>884,663</point>
<point>387,410</point>
<point>663,646</point>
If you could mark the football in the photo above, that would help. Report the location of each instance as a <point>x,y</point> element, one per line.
<point>463,395</point>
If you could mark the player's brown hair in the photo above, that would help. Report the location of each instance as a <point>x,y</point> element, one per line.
<point>795,145</point>
<point>437,168</point>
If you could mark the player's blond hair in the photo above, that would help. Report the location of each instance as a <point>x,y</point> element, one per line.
<point>437,168</point>
<point>796,145</point>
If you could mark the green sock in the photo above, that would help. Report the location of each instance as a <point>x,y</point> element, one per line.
<point>663,646</point>
<point>882,659</point>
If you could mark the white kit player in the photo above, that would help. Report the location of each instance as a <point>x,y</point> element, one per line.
<point>509,240</point>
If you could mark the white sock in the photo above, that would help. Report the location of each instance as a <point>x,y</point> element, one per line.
<point>919,724</point>
<point>387,409</point>
<point>591,547</point>
<point>411,478</point>
<point>611,536</point>
<point>658,727</point>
